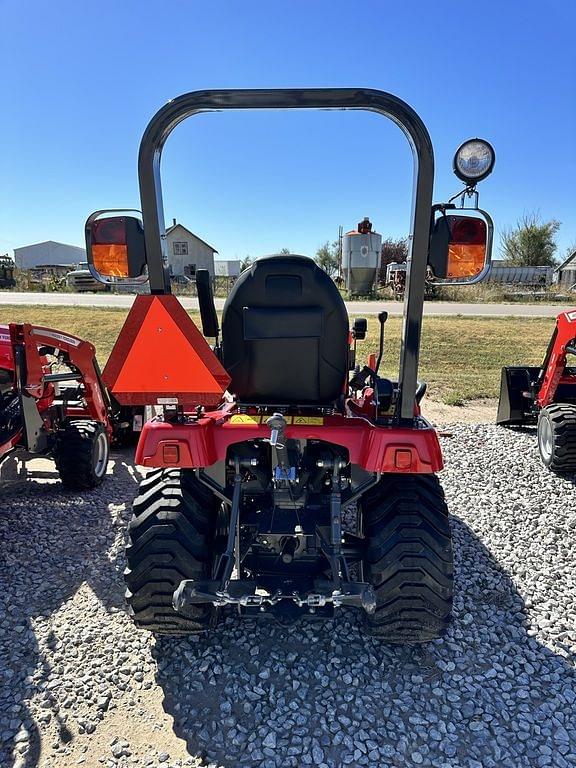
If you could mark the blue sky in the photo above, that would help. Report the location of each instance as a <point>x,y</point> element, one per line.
<point>81,80</point>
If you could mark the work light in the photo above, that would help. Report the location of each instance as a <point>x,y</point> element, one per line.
<point>474,160</point>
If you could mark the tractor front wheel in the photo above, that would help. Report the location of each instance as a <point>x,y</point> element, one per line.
<point>557,437</point>
<point>81,454</point>
<point>170,538</point>
<point>408,558</point>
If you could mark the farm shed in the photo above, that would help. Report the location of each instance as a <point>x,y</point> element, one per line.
<point>565,273</point>
<point>515,275</point>
<point>49,252</point>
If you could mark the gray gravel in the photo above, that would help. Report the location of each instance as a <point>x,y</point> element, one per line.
<point>500,690</point>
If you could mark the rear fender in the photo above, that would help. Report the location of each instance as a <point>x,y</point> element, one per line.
<point>376,449</point>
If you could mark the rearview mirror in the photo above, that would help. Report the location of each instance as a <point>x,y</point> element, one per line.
<point>460,245</point>
<point>115,247</point>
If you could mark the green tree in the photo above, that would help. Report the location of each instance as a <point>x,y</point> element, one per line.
<point>327,257</point>
<point>393,251</point>
<point>531,243</point>
<point>245,263</point>
<point>284,251</point>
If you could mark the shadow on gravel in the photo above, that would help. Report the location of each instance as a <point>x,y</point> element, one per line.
<point>488,695</point>
<point>51,542</point>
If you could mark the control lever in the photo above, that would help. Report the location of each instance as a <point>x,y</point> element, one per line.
<point>382,317</point>
<point>360,377</point>
<point>277,424</point>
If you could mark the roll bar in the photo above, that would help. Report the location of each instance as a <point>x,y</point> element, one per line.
<point>182,107</point>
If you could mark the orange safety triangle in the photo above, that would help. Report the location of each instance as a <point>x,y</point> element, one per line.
<point>161,354</point>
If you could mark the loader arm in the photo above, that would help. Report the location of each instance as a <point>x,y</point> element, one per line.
<point>554,373</point>
<point>35,385</point>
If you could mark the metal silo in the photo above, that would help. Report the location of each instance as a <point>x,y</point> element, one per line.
<point>361,258</point>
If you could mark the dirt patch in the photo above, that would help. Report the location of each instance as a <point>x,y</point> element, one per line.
<point>140,723</point>
<point>472,412</point>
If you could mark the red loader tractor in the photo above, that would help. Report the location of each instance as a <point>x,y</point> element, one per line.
<point>546,396</point>
<point>286,480</point>
<point>53,403</point>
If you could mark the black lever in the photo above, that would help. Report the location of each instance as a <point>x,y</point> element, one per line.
<point>382,317</point>
<point>208,314</point>
<point>231,556</point>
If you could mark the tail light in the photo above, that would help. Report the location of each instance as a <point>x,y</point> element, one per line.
<point>115,247</point>
<point>466,247</point>
<point>460,245</point>
<point>109,247</point>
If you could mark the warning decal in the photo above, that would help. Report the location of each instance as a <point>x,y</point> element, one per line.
<point>243,418</point>
<point>309,421</point>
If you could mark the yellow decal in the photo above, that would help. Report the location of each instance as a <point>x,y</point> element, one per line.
<point>309,421</point>
<point>243,418</point>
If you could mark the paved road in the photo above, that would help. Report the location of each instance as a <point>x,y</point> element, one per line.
<point>354,307</point>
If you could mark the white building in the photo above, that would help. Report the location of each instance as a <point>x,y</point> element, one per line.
<point>50,252</point>
<point>227,268</point>
<point>187,252</point>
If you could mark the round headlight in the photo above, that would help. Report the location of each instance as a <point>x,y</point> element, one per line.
<point>474,160</point>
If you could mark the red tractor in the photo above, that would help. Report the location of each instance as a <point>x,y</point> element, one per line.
<point>286,480</point>
<point>52,402</point>
<point>546,396</point>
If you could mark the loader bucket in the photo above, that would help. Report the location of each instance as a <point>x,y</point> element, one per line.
<point>516,395</point>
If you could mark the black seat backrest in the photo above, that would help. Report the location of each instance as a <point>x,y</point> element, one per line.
<point>285,334</point>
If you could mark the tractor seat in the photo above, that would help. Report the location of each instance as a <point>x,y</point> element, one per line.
<point>285,334</point>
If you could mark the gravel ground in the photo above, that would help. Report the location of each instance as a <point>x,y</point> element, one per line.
<point>80,686</point>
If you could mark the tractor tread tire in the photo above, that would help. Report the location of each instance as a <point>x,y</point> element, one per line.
<point>562,417</point>
<point>74,454</point>
<point>169,539</point>
<point>186,483</point>
<point>408,558</point>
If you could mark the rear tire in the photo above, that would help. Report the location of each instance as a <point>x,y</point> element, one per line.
<point>408,558</point>
<point>81,454</point>
<point>170,538</point>
<point>557,437</point>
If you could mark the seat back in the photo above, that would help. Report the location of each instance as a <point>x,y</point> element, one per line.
<point>285,334</point>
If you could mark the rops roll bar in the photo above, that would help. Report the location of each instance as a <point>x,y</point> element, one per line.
<point>177,110</point>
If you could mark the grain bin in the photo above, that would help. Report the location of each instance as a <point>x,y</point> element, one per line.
<point>361,258</point>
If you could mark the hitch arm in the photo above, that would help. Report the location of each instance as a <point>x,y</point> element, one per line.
<point>231,556</point>
<point>333,548</point>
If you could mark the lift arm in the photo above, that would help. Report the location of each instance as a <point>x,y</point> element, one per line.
<point>28,347</point>
<point>562,343</point>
